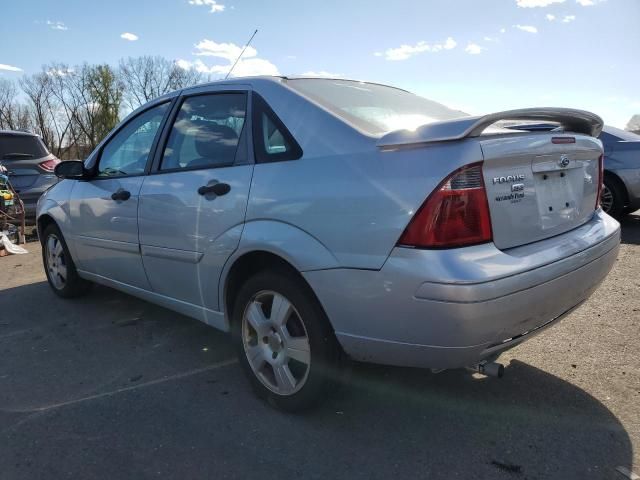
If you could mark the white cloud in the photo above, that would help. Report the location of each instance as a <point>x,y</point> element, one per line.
<point>527,28</point>
<point>550,17</point>
<point>215,6</point>
<point>249,65</point>
<point>568,18</point>
<point>589,3</point>
<point>57,25</point>
<point>132,37</point>
<point>228,51</point>
<point>321,73</point>
<point>252,67</point>
<point>406,51</point>
<point>474,49</point>
<point>503,30</point>
<point>537,3</point>
<point>9,68</point>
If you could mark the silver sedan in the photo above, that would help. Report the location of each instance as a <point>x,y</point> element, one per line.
<point>320,219</point>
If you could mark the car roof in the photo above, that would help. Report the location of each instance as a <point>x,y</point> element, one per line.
<point>621,134</point>
<point>281,79</point>
<point>17,133</point>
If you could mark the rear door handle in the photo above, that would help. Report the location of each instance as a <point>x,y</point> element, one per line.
<point>218,189</point>
<point>121,194</point>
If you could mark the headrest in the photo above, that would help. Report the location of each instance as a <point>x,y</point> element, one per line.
<point>216,142</point>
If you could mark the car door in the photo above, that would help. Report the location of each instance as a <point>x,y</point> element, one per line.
<point>193,204</point>
<point>104,209</point>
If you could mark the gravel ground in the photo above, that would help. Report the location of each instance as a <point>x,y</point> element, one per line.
<point>109,386</point>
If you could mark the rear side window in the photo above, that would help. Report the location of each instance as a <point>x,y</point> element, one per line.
<point>272,142</point>
<point>16,147</point>
<point>206,132</point>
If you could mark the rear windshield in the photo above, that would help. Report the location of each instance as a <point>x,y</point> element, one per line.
<point>16,147</point>
<point>374,109</point>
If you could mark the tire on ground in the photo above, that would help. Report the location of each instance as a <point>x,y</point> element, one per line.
<point>325,355</point>
<point>73,285</point>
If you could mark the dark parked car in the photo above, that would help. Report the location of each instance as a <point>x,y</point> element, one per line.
<point>30,166</point>
<point>621,191</point>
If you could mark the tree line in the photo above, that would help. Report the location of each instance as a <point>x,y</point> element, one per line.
<point>73,108</point>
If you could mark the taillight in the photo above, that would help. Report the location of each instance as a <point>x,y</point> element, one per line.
<point>456,214</point>
<point>600,179</point>
<point>49,165</point>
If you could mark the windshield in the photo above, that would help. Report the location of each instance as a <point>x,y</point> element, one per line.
<point>374,109</point>
<point>16,147</point>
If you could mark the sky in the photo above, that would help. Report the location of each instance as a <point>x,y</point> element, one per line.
<point>479,56</point>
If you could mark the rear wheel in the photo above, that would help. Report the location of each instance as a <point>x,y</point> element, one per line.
<point>612,198</point>
<point>284,341</point>
<point>59,267</point>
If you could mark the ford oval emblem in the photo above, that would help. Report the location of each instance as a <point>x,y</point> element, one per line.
<point>564,161</point>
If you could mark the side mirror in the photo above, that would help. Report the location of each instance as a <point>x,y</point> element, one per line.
<point>73,169</point>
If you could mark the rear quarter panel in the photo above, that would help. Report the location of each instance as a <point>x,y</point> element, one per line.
<point>357,200</point>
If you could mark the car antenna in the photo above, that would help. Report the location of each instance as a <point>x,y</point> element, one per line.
<point>241,53</point>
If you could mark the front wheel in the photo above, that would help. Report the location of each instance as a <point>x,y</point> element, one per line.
<point>284,340</point>
<point>59,267</point>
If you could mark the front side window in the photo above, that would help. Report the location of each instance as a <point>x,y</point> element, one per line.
<point>127,151</point>
<point>206,132</point>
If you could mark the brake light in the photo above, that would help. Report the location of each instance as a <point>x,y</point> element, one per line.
<point>456,214</point>
<point>49,165</point>
<point>600,179</point>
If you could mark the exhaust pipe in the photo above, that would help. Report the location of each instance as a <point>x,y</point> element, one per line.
<point>490,369</point>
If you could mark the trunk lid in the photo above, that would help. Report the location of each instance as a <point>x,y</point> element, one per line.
<point>539,186</point>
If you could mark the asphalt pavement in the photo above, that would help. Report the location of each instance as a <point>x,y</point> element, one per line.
<point>111,387</point>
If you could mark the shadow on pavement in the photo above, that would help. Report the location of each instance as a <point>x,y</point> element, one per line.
<point>389,422</point>
<point>630,229</point>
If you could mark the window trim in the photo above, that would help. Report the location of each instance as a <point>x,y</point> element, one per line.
<point>166,132</point>
<point>119,128</point>
<point>259,107</point>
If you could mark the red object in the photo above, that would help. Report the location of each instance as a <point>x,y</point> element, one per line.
<point>49,165</point>
<point>456,214</point>
<point>600,179</point>
<point>563,140</point>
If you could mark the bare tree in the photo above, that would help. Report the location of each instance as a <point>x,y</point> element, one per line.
<point>90,97</point>
<point>13,114</point>
<point>149,77</point>
<point>49,119</point>
<point>37,89</point>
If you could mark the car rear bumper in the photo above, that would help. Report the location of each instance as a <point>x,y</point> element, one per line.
<point>453,308</point>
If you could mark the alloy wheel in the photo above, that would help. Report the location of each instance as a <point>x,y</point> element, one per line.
<point>606,198</point>
<point>56,264</point>
<point>276,342</point>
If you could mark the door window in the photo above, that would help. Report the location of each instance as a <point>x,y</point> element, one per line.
<point>272,141</point>
<point>127,151</point>
<point>206,132</point>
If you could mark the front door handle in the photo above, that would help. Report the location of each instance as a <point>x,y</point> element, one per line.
<point>218,189</point>
<point>121,194</point>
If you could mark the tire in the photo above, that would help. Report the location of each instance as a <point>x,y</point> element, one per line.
<point>612,198</point>
<point>284,341</point>
<point>61,272</point>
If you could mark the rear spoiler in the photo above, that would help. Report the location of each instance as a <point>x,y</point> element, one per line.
<point>576,121</point>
